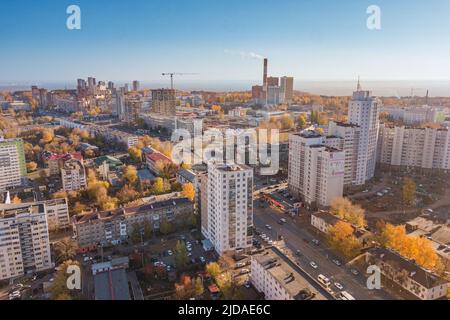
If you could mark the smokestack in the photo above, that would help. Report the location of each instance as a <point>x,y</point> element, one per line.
<point>265,74</point>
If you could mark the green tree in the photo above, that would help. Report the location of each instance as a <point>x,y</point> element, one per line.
<point>181,256</point>
<point>148,230</point>
<point>135,235</point>
<point>166,227</point>
<point>408,191</point>
<point>199,288</point>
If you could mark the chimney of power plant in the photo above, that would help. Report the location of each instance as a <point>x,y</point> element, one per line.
<point>265,74</point>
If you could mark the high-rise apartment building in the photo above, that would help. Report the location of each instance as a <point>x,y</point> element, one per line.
<point>286,89</point>
<point>364,110</point>
<point>164,102</point>
<point>92,84</point>
<point>136,85</point>
<point>12,163</point>
<point>230,207</point>
<point>427,148</point>
<point>132,110</point>
<point>24,240</point>
<point>73,175</point>
<point>119,103</point>
<point>345,137</point>
<point>316,171</point>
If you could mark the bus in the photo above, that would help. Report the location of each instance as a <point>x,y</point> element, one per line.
<point>324,280</point>
<point>344,295</point>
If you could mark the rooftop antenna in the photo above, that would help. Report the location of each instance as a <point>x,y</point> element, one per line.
<point>358,87</point>
<point>426,99</point>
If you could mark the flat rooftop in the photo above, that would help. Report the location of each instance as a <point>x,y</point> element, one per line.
<point>288,275</point>
<point>111,285</point>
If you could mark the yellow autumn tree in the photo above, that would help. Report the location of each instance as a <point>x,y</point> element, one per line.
<point>189,191</point>
<point>341,238</point>
<point>345,209</point>
<point>416,248</point>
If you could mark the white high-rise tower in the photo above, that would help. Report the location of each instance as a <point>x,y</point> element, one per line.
<point>230,207</point>
<point>364,110</point>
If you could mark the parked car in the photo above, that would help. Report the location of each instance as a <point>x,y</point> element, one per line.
<point>313,265</point>
<point>316,242</point>
<point>268,227</point>
<point>337,262</point>
<point>354,271</point>
<point>202,259</point>
<point>339,286</point>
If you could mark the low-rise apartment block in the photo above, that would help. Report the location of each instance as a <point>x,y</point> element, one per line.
<point>419,282</point>
<point>278,278</point>
<point>113,227</point>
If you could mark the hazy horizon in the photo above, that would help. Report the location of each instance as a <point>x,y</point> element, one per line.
<point>388,88</point>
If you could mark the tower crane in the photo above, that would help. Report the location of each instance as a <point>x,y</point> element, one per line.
<point>171,74</point>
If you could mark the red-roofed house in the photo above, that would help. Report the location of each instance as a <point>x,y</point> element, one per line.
<point>152,158</point>
<point>56,161</point>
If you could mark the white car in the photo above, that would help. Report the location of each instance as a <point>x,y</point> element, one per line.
<point>336,262</point>
<point>169,252</point>
<point>339,286</point>
<point>268,227</point>
<point>313,265</point>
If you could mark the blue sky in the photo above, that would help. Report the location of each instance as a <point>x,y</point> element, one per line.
<point>311,40</point>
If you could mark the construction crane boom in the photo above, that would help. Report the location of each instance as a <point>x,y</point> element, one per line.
<point>171,74</point>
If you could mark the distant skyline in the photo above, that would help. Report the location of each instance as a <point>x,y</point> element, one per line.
<point>223,40</point>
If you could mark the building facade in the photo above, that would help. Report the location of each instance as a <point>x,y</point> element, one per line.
<point>12,163</point>
<point>363,111</point>
<point>230,207</point>
<point>419,282</point>
<point>426,148</point>
<point>113,227</point>
<point>164,102</point>
<point>279,279</point>
<point>345,137</point>
<point>24,240</point>
<point>73,175</point>
<point>316,171</point>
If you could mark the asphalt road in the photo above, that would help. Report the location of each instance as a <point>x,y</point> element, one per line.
<point>297,238</point>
